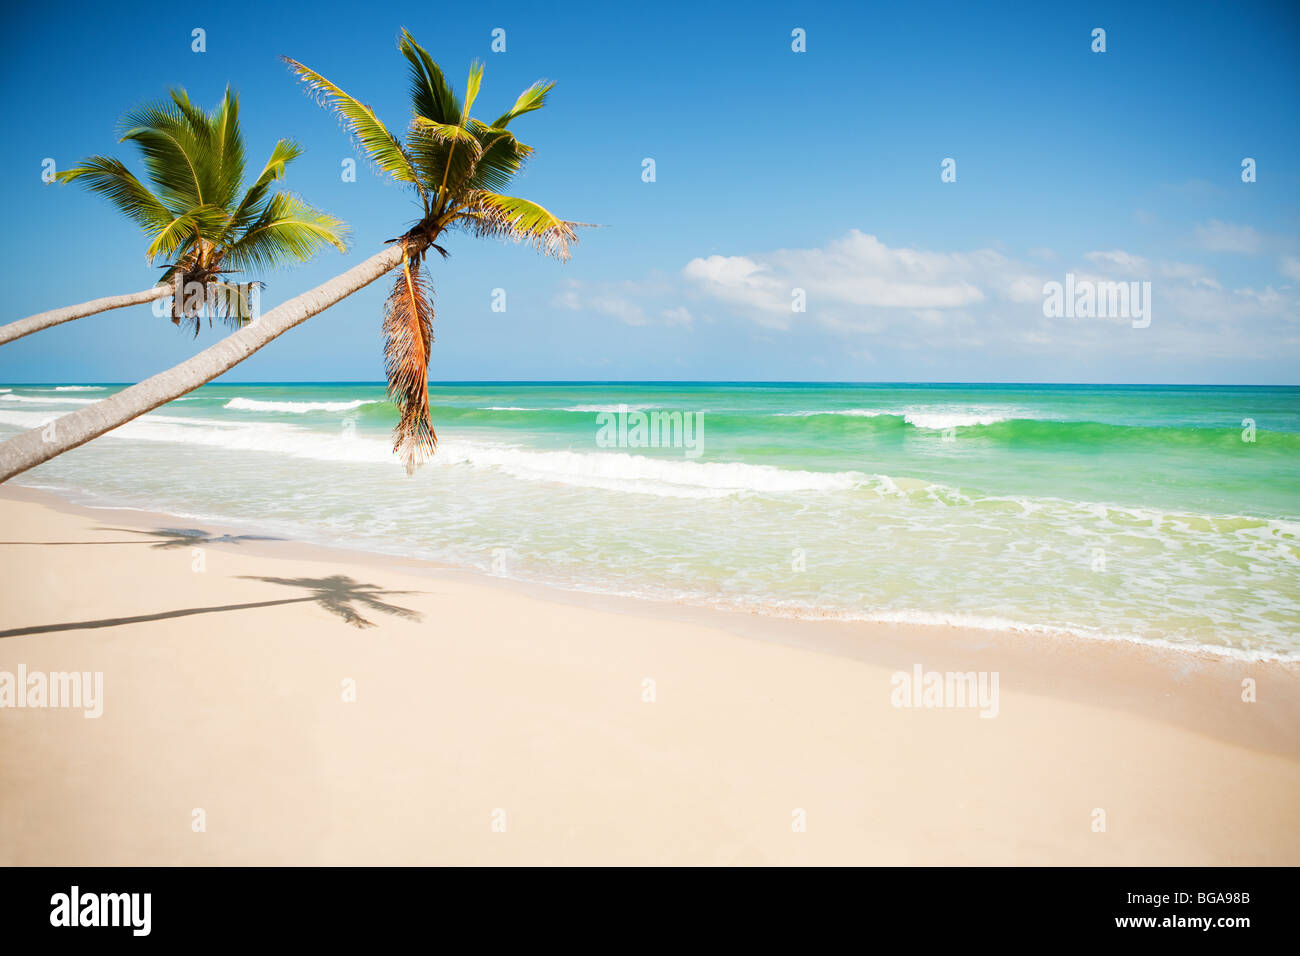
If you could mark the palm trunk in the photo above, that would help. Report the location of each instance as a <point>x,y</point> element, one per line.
<point>41,444</point>
<point>43,320</point>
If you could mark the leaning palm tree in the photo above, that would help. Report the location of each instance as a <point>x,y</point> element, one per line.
<point>198,214</point>
<point>455,165</point>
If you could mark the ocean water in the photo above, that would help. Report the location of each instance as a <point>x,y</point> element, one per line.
<point>1132,512</point>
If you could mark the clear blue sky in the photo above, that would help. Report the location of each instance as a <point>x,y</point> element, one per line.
<point>819,170</point>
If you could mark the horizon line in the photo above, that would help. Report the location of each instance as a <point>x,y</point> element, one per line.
<point>648,381</point>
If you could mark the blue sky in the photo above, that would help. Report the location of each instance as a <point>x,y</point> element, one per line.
<point>774,169</point>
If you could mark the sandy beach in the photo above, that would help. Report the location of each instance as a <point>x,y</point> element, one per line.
<point>314,706</point>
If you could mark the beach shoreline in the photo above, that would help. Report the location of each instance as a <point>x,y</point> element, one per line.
<point>554,683</point>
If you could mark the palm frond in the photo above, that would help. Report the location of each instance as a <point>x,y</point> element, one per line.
<point>192,223</point>
<point>519,220</point>
<point>533,98</point>
<point>111,179</point>
<point>228,143</point>
<point>176,146</point>
<point>372,135</point>
<point>446,133</point>
<point>445,154</point>
<point>234,302</point>
<point>431,94</point>
<point>250,207</point>
<point>194,117</point>
<point>471,89</point>
<point>288,229</point>
<point>501,159</point>
<point>408,334</point>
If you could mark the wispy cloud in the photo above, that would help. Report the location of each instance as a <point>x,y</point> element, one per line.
<point>1218,236</point>
<point>928,306</point>
<point>1120,261</point>
<point>632,302</point>
<point>854,273</point>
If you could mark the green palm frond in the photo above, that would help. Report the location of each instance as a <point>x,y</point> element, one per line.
<point>228,141</point>
<point>376,141</point>
<point>445,154</point>
<point>111,179</point>
<point>288,229</point>
<point>171,166</point>
<point>518,220</point>
<point>199,123</point>
<point>445,133</point>
<point>502,158</point>
<point>196,222</point>
<point>285,152</point>
<point>471,90</point>
<point>431,95</point>
<point>196,211</point>
<point>533,98</point>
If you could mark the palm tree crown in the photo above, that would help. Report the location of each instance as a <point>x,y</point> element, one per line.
<point>456,166</point>
<point>198,214</point>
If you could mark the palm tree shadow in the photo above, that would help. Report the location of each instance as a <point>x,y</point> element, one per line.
<point>191,537</point>
<point>165,538</point>
<point>337,593</point>
<point>340,595</point>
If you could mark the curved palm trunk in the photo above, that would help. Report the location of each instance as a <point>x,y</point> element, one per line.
<point>41,444</point>
<point>43,320</point>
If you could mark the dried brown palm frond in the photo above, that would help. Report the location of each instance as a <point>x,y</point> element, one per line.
<point>408,334</point>
<point>198,287</point>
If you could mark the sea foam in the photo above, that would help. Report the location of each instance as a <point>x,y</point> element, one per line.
<point>47,399</point>
<point>295,408</point>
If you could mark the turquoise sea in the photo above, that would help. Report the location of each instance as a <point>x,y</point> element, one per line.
<point>1153,513</point>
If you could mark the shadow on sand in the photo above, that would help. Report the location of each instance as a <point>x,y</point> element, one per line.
<point>340,595</point>
<point>337,593</point>
<point>164,538</point>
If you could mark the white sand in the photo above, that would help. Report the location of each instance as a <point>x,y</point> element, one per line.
<point>501,697</point>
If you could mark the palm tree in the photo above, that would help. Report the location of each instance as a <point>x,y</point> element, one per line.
<point>195,214</point>
<point>455,165</point>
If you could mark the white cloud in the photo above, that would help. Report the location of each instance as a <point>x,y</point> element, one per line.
<point>856,274</point>
<point>577,297</point>
<point>627,312</point>
<point>1186,272</point>
<point>929,306</point>
<point>1120,261</point>
<point>1026,289</point>
<point>1267,297</point>
<point>623,301</point>
<point>742,281</point>
<point>1218,236</point>
<point>943,303</point>
<point>1289,266</point>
